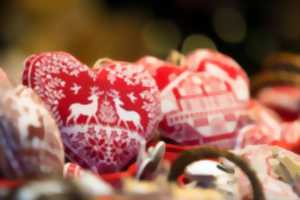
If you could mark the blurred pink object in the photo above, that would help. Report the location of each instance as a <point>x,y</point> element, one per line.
<point>277,169</point>
<point>260,114</point>
<point>260,125</point>
<point>285,100</point>
<point>31,145</point>
<point>87,180</point>
<point>2,75</point>
<point>222,66</point>
<point>72,170</point>
<point>4,81</point>
<point>290,136</point>
<point>256,134</point>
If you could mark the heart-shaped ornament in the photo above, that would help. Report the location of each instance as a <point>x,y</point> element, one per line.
<point>198,108</point>
<point>104,114</point>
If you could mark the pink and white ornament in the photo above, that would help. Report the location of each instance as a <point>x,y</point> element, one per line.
<point>276,168</point>
<point>104,114</point>
<point>2,75</point>
<point>31,145</point>
<point>259,125</point>
<point>4,81</point>
<point>91,183</point>
<point>256,134</point>
<point>285,100</point>
<point>263,126</point>
<point>198,107</point>
<point>221,66</point>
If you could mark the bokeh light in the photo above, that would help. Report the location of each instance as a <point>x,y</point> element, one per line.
<point>286,16</point>
<point>229,25</point>
<point>160,37</point>
<point>127,29</point>
<point>197,41</point>
<point>259,44</point>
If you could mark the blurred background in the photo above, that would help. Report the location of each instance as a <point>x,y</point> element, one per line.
<point>127,29</point>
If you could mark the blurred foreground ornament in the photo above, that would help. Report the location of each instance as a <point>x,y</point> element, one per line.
<point>277,168</point>
<point>88,181</point>
<point>30,141</point>
<point>150,162</point>
<point>49,189</point>
<point>202,172</point>
<point>213,174</point>
<point>105,115</point>
<point>160,189</point>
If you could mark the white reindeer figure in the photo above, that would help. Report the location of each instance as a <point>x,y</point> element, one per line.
<point>89,110</point>
<point>123,114</point>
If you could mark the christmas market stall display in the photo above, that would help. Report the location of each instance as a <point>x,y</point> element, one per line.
<point>181,128</point>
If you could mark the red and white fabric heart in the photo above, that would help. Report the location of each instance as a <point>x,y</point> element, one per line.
<point>104,114</point>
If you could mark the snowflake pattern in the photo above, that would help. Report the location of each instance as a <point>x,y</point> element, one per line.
<point>98,145</point>
<point>75,88</point>
<point>51,88</point>
<point>132,97</point>
<point>106,148</point>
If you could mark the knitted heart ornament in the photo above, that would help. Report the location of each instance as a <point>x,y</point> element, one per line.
<point>104,114</point>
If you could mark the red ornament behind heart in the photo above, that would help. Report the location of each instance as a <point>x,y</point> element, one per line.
<point>104,114</point>
<point>198,108</point>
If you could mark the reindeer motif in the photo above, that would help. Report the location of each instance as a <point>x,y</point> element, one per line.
<point>89,110</point>
<point>124,115</point>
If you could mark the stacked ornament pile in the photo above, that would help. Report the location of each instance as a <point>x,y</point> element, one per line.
<point>116,131</point>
